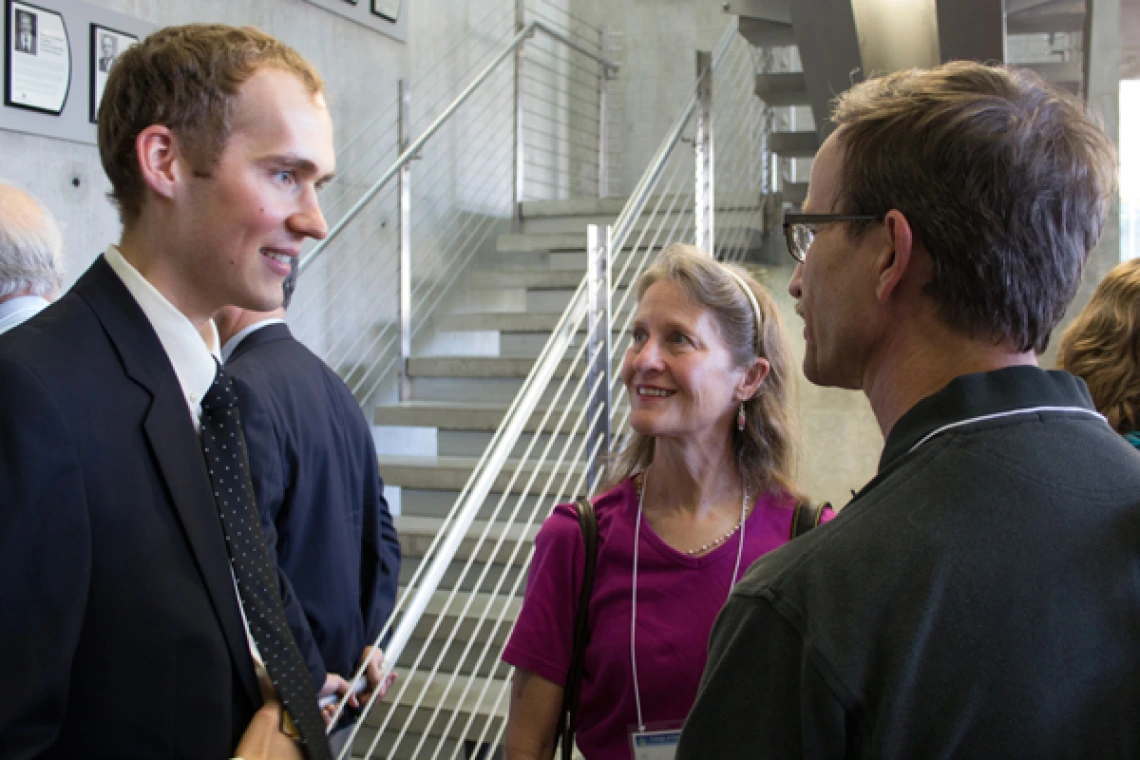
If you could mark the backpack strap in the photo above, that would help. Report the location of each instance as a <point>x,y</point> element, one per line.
<point>807,516</point>
<point>568,718</point>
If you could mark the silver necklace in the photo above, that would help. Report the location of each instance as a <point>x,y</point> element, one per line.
<point>640,483</point>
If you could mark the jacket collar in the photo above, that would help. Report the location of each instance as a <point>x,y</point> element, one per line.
<point>983,394</point>
<point>176,448</point>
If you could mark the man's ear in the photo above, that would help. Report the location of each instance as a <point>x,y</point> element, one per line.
<point>157,151</point>
<point>894,261</point>
<point>753,378</point>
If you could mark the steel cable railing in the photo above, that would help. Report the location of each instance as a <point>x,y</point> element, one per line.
<point>459,190</point>
<point>452,694</point>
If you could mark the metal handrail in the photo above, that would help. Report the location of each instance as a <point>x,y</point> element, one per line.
<point>416,145</point>
<point>656,202</point>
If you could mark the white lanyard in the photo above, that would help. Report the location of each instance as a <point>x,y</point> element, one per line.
<point>633,602</point>
<point>999,415</point>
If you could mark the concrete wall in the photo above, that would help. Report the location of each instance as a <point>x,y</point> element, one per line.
<point>360,67</point>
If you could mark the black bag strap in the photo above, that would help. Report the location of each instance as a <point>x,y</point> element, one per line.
<point>568,718</point>
<point>807,516</point>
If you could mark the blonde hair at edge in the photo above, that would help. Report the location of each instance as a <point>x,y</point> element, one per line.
<point>766,448</point>
<point>1102,347</point>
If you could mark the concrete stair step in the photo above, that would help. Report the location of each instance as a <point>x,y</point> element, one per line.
<point>417,534</point>
<point>479,366</point>
<point>483,389</point>
<point>452,473</point>
<point>463,697</point>
<point>508,574</point>
<point>472,443</point>
<point>426,502</point>
<point>514,321</point>
<point>764,33</point>
<point>534,279</point>
<point>495,279</point>
<point>1067,73</point>
<point>481,659</point>
<point>586,207</point>
<point>1044,23</point>
<point>741,213</point>
<point>794,144</point>
<point>443,415</point>
<point>466,627</point>
<point>671,208</point>
<point>785,89</point>
<point>795,192</point>
<point>772,10</point>
<point>573,207</point>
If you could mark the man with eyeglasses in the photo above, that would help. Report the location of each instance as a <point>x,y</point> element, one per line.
<point>980,597</point>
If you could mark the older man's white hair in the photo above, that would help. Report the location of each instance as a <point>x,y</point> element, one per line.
<point>31,246</point>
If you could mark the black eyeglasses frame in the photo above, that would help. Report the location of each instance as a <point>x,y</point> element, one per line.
<point>792,220</point>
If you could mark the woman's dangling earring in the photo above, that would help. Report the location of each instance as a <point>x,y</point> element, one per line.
<point>741,418</point>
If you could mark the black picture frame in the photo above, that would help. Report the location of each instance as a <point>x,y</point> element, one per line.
<point>95,63</point>
<point>10,45</point>
<point>384,9</point>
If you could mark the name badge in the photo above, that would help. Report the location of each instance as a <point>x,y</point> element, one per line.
<point>655,745</point>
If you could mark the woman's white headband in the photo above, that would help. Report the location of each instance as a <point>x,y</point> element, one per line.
<point>751,299</point>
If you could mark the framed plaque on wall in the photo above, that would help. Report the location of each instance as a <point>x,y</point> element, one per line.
<point>106,45</point>
<point>384,16</point>
<point>389,9</point>
<point>37,59</point>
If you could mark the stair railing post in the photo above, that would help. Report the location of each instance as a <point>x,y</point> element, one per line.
<point>705,194</point>
<point>404,243</point>
<point>603,116</point>
<point>598,404</point>
<point>520,142</point>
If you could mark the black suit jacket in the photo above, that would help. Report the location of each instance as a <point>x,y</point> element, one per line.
<point>322,503</point>
<point>120,633</point>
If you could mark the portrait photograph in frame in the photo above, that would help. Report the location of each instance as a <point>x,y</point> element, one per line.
<point>107,45</point>
<point>37,58</point>
<point>387,9</point>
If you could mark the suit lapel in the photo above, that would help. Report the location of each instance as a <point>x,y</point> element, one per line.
<point>172,438</point>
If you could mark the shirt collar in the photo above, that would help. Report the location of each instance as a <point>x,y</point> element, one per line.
<point>983,394</point>
<point>18,309</point>
<point>232,343</point>
<point>194,363</point>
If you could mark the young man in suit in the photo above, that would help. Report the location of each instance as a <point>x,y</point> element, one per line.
<point>140,613</point>
<point>320,494</point>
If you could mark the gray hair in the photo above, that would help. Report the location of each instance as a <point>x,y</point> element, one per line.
<point>31,247</point>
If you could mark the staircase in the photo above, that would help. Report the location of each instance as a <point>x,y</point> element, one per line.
<point>455,474</point>
<point>1043,35</point>
<point>512,300</point>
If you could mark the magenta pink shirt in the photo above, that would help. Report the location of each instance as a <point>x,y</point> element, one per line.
<point>678,598</point>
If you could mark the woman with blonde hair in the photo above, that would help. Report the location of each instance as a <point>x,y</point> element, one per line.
<point>1102,347</point>
<point>703,487</point>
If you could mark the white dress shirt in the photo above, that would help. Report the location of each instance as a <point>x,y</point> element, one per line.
<point>194,365</point>
<point>184,345</point>
<point>20,309</point>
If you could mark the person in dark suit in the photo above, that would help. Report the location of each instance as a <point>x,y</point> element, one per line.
<point>320,494</point>
<point>108,52</point>
<point>123,632</point>
<point>26,34</point>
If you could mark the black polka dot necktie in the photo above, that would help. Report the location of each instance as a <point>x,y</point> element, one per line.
<point>224,447</point>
